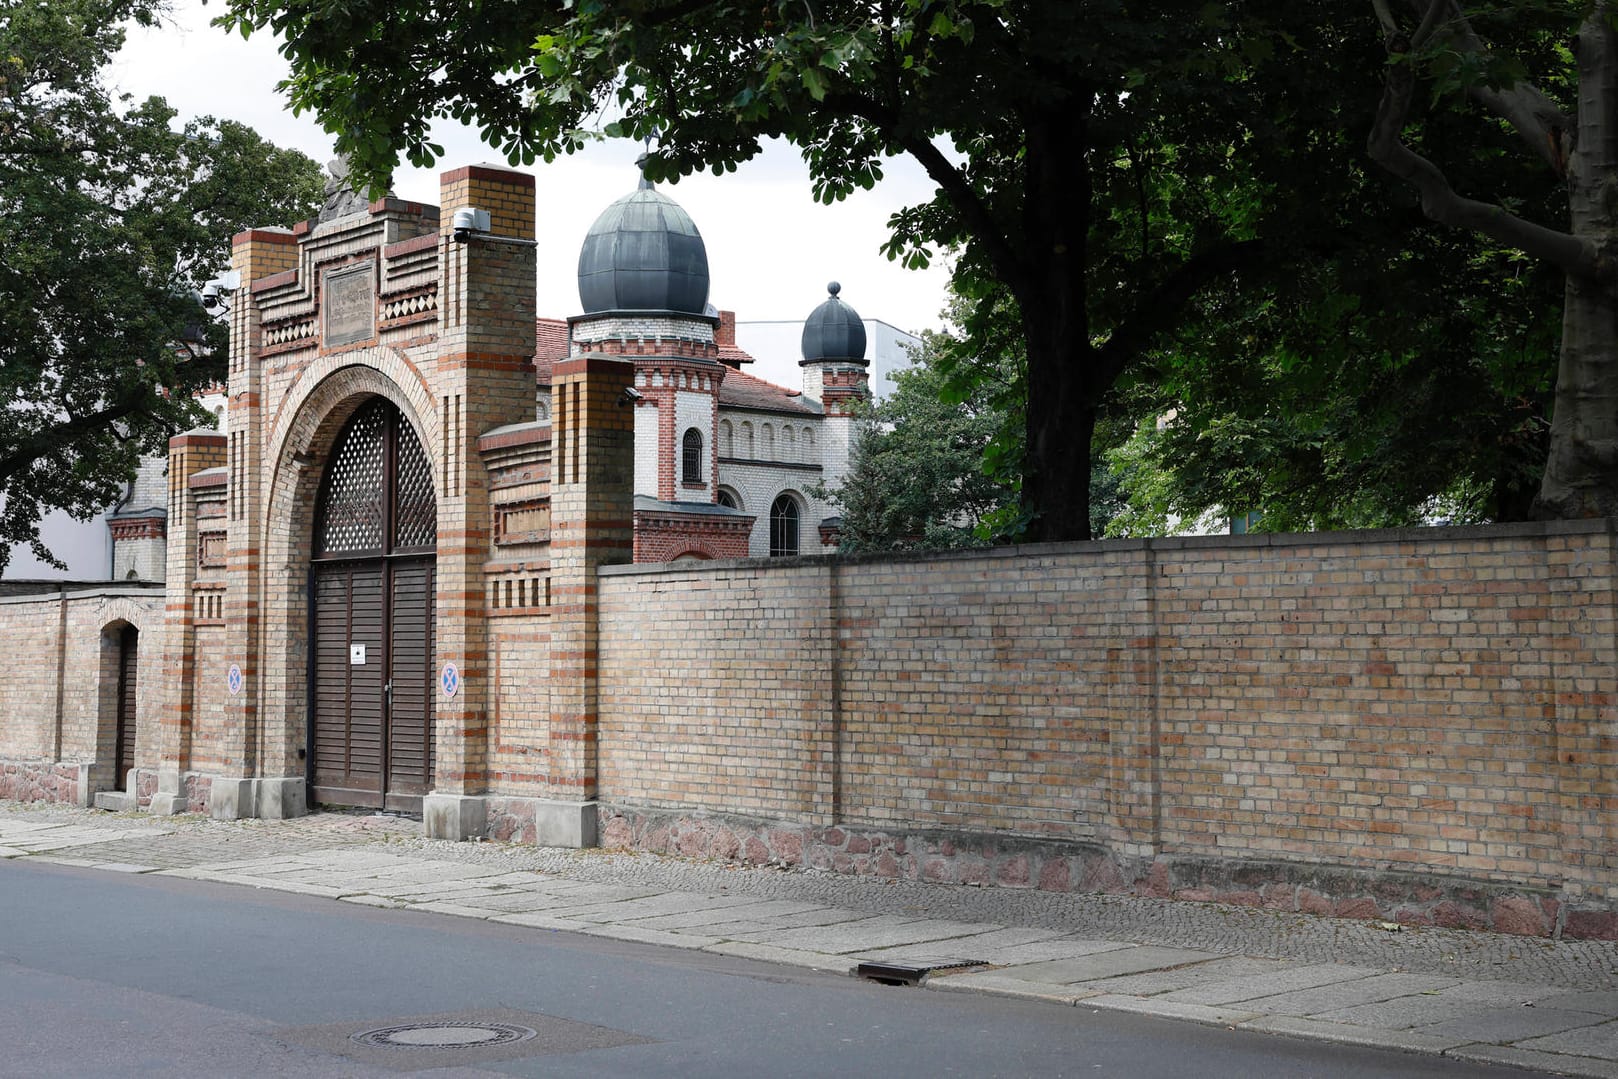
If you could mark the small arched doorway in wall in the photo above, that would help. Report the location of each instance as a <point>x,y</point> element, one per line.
<point>123,753</point>
<point>371,614</point>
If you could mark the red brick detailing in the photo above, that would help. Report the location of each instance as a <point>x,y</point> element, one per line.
<point>263,236</point>
<point>424,242</point>
<point>663,536</point>
<point>137,528</point>
<point>492,173</point>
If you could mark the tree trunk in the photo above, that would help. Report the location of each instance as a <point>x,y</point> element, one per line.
<point>1063,373</point>
<point>1059,422</point>
<point>1581,474</point>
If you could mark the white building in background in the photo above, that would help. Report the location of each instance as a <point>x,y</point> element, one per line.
<point>126,543</point>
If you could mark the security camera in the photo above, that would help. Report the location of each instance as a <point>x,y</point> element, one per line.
<point>468,220</point>
<point>629,396</point>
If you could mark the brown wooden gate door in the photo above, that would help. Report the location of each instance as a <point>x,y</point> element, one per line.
<point>371,735</point>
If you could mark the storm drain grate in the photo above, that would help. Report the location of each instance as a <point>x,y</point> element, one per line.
<point>444,1035</point>
<point>910,972</point>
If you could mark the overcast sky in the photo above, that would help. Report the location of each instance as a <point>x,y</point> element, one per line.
<point>771,248</point>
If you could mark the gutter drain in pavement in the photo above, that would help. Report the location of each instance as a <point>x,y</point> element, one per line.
<point>910,972</point>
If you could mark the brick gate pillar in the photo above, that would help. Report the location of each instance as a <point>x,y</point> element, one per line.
<point>484,379</point>
<point>188,454</point>
<point>255,254</point>
<point>592,525</point>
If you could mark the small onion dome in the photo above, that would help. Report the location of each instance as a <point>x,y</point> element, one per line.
<point>834,331</point>
<point>643,254</point>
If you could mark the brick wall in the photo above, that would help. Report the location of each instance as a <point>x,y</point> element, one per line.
<point>59,710</point>
<point>1402,724</point>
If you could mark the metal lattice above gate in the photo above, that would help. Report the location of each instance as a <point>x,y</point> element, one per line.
<point>379,476</point>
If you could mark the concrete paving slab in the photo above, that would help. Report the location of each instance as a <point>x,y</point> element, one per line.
<point>691,941</point>
<point>1527,1058</point>
<point>610,909</point>
<point>1502,1025</point>
<point>1599,1002</point>
<point>1206,1014</point>
<point>754,912</point>
<point>1590,1041</point>
<point>1332,998</point>
<point>1290,979</point>
<point>1046,951</point>
<point>535,920</point>
<point>820,915</point>
<point>998,984</point>
<point>836,964</point>
<point>372,901</point>
<point>1110,963</point>
<point>13,852</point>
<point>1439,1005</point>
<point>125,867</point>
<point>1157,982</point>
<point>1348,1034</point>
<point>973,947</point>
<point>873,933</point>
<point>592,899</point>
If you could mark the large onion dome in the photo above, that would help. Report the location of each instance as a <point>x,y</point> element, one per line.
<point>643,254</point>
<point>834,331</point>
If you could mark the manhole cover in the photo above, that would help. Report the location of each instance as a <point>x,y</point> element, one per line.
<point>442,1035</point>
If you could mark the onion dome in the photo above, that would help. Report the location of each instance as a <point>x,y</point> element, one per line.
<point>834,331</point>
<point>643,254</point>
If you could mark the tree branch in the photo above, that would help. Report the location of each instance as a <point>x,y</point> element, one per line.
<point>1154,312</point>
<point>1440,202</point>
<point>61,434</point>
<point>1544,128</point>
<point>980,222</point>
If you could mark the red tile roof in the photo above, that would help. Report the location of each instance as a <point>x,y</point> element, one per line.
<point>742,390</point>
<point>550,345</point>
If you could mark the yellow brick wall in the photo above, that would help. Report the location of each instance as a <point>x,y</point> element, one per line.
<point>1438,700</point>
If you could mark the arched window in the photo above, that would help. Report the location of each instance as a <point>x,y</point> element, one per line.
<point>789,444</point>
<point>727,497</point>
<point>766,440</point>
<point>691,456</point>
<point>727,441</point>
<point>747,439</point>
<point>783,527</point>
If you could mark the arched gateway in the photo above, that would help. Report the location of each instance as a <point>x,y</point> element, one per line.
<point>371,739</point>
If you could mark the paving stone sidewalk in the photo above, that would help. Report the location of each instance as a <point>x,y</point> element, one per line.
<point>1550,1006</point>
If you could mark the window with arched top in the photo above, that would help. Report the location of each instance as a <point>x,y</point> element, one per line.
<point>766,441</point>
<point>691,456</point>
<point>727,439</point>
<point>726,497</point>
<point>747,439</point>
<point>784,527</point>
<point>789,445</point>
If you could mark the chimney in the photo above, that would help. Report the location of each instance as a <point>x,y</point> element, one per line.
<point>724,334</point>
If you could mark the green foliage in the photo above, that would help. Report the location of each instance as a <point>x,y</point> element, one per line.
<point>1098,163</point>
<point>918,477</point>
<point>110,221</point>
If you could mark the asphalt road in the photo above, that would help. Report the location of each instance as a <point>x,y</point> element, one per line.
<point>103,974</point>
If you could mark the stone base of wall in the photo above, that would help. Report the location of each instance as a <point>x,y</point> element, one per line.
<point>45,781</point>
<point>1409,898</point>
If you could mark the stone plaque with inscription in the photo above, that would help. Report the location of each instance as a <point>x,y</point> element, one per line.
<point>348,305</point>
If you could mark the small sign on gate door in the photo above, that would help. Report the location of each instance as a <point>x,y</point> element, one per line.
<point>356,655</point>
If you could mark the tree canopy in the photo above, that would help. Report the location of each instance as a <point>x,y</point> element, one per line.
<point>1100,163</point>
<point>1510,66</point>
<point>111,220</point>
